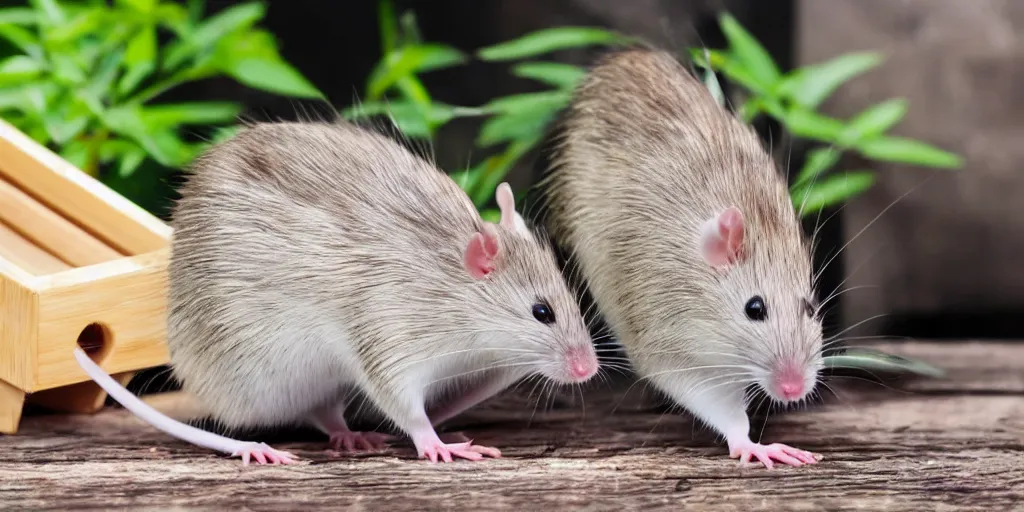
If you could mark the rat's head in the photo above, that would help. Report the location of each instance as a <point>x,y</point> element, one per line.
<point>762,296</point>
<point>533,314</point>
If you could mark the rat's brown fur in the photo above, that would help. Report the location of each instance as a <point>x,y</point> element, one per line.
<point>643,157</point>
<point>313,259</point>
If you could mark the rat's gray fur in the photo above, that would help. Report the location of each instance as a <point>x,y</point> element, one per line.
<point>643,157</point>
<point>312,259</point>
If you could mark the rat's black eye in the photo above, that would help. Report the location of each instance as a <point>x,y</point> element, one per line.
<point>542,312</point>
<point>755,308</point>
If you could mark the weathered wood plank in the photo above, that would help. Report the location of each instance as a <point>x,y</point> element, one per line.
<point>959,446</point>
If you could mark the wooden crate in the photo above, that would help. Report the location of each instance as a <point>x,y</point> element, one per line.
<point>79,264</point>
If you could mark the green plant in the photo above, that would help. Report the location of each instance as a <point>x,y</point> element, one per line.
<point>792,99</point>
<point>83,76</point>
<point>513,124</point>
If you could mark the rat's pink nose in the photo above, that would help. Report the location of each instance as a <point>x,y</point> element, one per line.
<point>790,383</point>
<point>582,363</point>
<point>791,390</point>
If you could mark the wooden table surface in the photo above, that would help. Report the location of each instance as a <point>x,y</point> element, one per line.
<point>950,444</point>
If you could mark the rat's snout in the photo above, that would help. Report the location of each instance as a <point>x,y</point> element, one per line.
<point>789,383</point>
<point>581,363</point>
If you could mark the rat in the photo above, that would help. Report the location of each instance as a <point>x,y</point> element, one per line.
<point>314,261</point>
<point>684,234</point>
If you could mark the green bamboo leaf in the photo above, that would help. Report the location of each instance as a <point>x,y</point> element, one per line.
<point>908,151</point>
<point>408,116</point>
<point>563,76</point>
<point>730,67</point>
<point>533,101</point>
<point>51,11</point>
<point>552,39</point>
<point>215,28</point>
<point>76,153</point>
<point>274,76</point>
<point>142,6</point>
<point>67,70</point>
<point>23,39</point>
<point>875,360</point>
<point>198,113</point>
<point>18,16</point>
<point>514,126</point>
<point>410,60</point>
<point>130,162</point>
<point>85,23</point>
<point>818,162</point>
<point>19,68</point>
<point>115,148</point>
<point>874,121</point>
<point>811,125</point>
<point>814,197</point>
<point>127,122</point>
<point>140,58</point>
<point>497,168</point>
<point>388,26</point>
<point>749,52</point>
<point>810,85</point>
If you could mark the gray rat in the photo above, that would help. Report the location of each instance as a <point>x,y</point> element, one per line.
<point>685,235</point>
<point>311,261</point>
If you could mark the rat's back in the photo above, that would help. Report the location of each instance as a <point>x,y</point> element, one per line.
<point>643,157</point>
<point>286,238</point>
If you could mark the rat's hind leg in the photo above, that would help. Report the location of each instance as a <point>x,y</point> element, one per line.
<point>331,421</point>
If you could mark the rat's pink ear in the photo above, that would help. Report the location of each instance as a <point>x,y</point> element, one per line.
<point>510,218</point>
<point>481,252</point>
<point>721,239</point>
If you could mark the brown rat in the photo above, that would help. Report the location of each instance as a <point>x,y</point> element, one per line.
<point>686,237</point>
<point>311,261</point>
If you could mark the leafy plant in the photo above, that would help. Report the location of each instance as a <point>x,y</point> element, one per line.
<point>792,99</point>
<point>83,76</point>
<point>513,124</point>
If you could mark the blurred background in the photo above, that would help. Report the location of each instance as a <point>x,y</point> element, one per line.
<point>895,120</point>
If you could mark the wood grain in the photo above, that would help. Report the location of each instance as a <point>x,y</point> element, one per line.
<point>78,196</point>
<point>923,445</point>
<point>21,251</point>
<point>49,230</point>
<point>19,326</point>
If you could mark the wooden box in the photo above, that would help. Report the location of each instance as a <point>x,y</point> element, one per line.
<point>79,264</point>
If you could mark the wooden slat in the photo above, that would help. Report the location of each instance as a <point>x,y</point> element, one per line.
<point>78,196</point>
<point>26,255</point>
<point>50,230</point>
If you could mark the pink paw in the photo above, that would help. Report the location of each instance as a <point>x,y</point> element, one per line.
<point>359,441</point>
<point>467,450</point>
<point>263,454</point>
<point>767,453</point>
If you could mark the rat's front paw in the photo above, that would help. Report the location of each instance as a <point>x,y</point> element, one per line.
<point>467,450</point>
<point>747,450</point>
<point>263,454</point>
